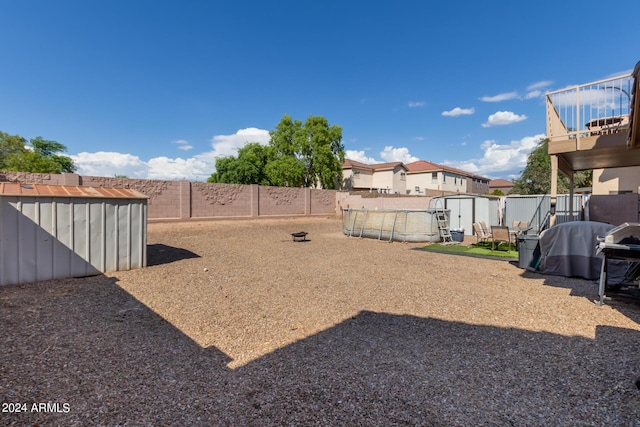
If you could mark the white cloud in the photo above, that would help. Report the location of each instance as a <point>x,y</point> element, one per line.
<point>539,85</point>
<point>500,97</point>
<point>498,159</point>
<point>415,104</point>
<point>459,112</point>
<point>533,94</point>
<point>359,156</point>
<point>104,163</point>
<point>389,154</point>
<point>503,118</point>
<point>535,90</point>
<point>392,154</point>
<point>183,144</point>
<point>228,145</point>
<point>196,168</point>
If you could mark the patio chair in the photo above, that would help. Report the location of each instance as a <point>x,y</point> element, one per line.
<point>484,227</point>
<point>481,236</point>
<point>500,234</point>
<point>519,228</point>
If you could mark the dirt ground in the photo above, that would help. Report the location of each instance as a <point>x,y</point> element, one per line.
<point>233,323</point>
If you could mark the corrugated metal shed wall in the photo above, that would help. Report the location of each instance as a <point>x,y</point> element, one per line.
<point>467,209</point>
<point>49,237</point>
<point>533,209</point>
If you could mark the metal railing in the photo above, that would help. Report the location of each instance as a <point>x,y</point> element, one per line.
<point>592,109</point>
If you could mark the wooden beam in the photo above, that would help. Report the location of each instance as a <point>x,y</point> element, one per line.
<point>565,167</point>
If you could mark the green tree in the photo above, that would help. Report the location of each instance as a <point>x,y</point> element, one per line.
<point>10,146</point>
<point>285,171</point>
<point>297,155</point>
<point>536,177</point>
<point>316,145</point>
<point>39,155</point>
<point>324,153</point>
<point>247,168</point>
<point>250,164</point>
<point>225,171</point>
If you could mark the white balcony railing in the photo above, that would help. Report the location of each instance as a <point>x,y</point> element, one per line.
<point>591,109</point>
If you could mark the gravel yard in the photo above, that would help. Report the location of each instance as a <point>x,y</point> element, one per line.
<point>233,323</point>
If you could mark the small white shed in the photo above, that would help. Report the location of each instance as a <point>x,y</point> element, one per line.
<point>469,208</point>
<point>55,231</point>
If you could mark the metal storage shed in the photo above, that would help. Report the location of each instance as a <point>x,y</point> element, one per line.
<point>469,208</point>
<point>54,231</point>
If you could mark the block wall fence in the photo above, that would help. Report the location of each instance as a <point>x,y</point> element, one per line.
<point>184,200</point>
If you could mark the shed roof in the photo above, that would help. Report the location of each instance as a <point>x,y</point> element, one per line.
<point>45,190</point>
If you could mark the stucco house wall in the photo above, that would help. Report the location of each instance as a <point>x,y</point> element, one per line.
<point>616,180</point>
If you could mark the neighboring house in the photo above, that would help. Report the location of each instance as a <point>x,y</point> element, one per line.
<point>424,175</point>
<point>500,184</point>
<point>381,177</point>
<point>414,178</point>
<point>478,184</point>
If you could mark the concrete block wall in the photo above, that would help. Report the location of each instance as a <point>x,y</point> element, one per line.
<point>175,200</point>
<point>280,200</point>
<point>221,200</point>
<point>323,201</point>
<point>164,196</point>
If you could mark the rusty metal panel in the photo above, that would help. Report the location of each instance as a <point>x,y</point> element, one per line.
<point>44,190</point>
<point>51,237</point>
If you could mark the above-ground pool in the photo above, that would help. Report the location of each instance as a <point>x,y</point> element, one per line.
<point>392,225</point>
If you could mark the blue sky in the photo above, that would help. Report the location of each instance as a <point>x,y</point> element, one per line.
<point>160,89</point>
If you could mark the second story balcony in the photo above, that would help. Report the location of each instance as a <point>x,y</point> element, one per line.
<point>591,126</point>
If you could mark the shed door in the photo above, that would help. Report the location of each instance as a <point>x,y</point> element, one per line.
<point>461,213</point>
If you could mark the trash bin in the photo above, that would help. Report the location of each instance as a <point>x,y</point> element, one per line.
<point>528,251</point>
<point>457,234</point>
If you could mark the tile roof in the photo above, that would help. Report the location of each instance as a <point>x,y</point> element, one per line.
<point>500,183</point>
<point>426,166</point>
<point>348,163</point>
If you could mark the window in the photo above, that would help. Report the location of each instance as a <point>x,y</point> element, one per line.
<point>444,177</point>
<point>403,176</point>
<point>356,174</point>
<point>434,177</point>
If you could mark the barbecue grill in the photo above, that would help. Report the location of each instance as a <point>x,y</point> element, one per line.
<point>623,243</point>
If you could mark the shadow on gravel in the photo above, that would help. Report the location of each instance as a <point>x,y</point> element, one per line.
<point>116,362</point>
<point>162,254</point>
